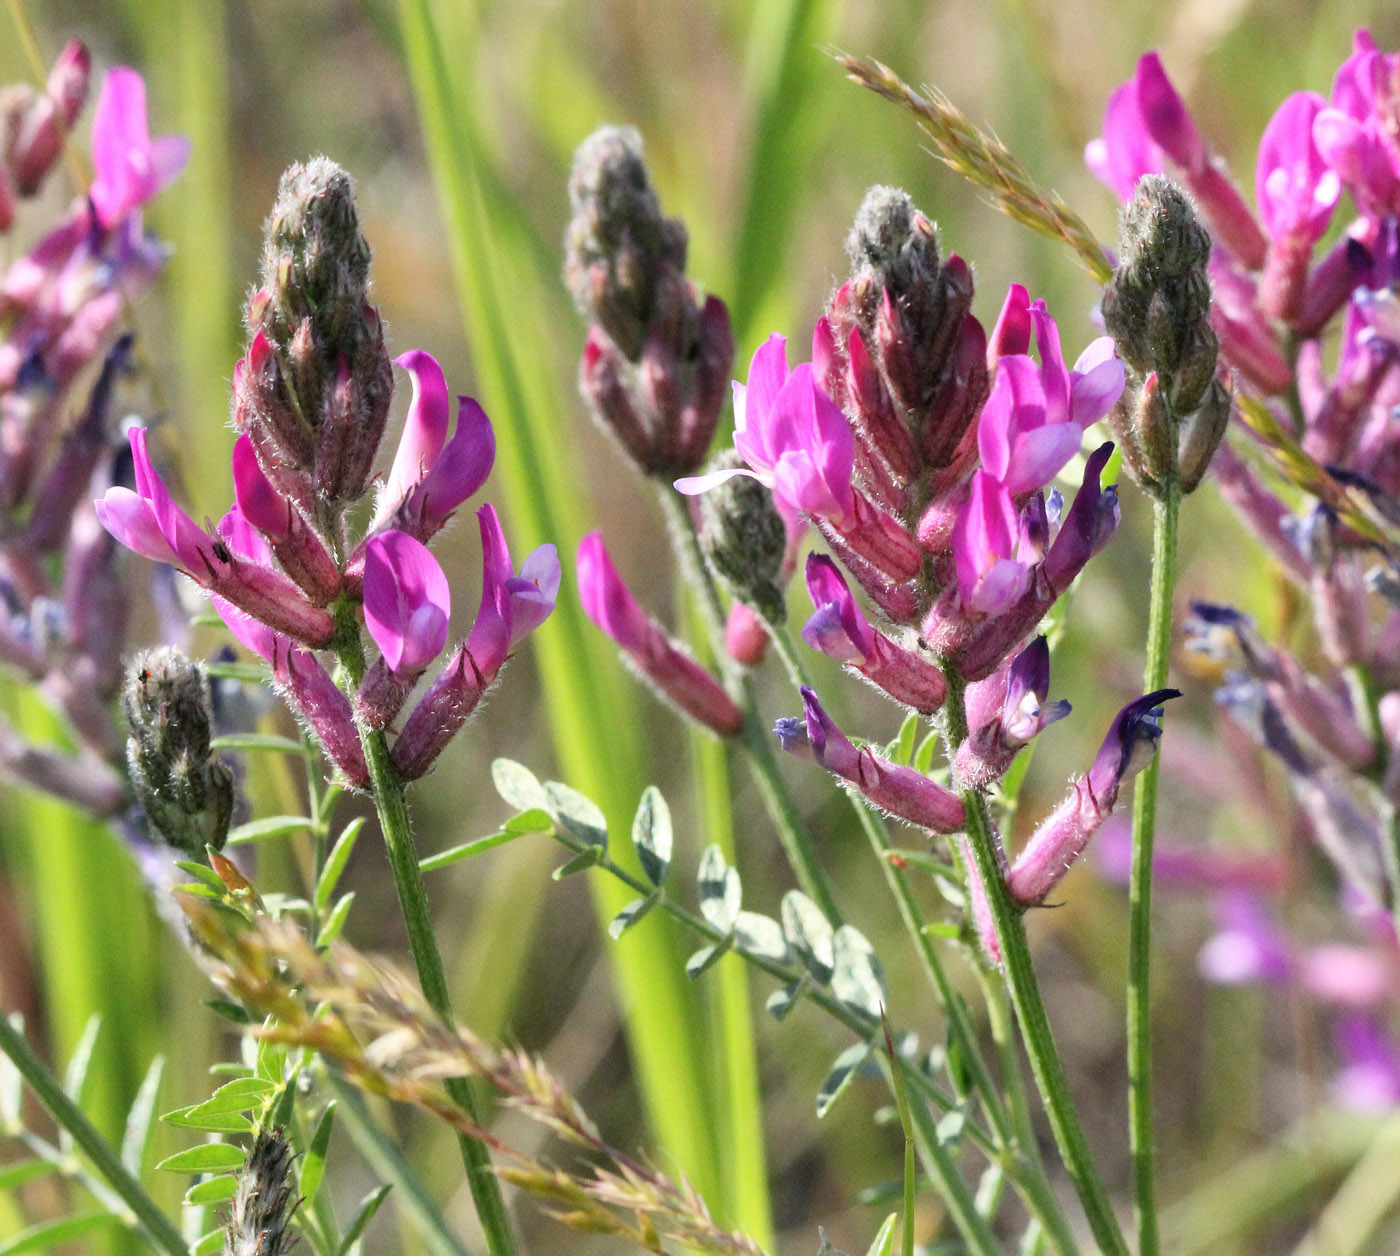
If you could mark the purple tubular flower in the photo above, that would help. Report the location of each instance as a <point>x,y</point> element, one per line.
<point>840,630</point>
<point>794,438</point>
<point>130,166</point>
<point>1131,742</point>
<point>309,688</point>
<point>899,790</point>
<point>992,744</point>
<point>609,603</point>
<point>298,549</point>
<point>407,602</point>
<point>512,606</point>
<point>431,475</point>
<point>1087,528</point>
<point>149,522</point>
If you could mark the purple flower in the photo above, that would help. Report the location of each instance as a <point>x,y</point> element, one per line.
<point>1125,151</point>
<point>1352,132</point>
<point>407,602</point>
<point>840,630</point>
<point>1249,946</point>
<point>794,438</point>
<point>899,790</point>
<point>1369,1079</point>
<point>1130,744</point>
<point>609,603</point>
<point>512,606</point>
<point>1295,190</point>
<point>1036,416</point>
<point>989,549</point>
<point>130,167</point>
<point>148,520</point>
<point>1022,712</point>
<point>431,476</point>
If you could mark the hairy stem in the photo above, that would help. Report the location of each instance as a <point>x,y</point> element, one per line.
<point>1140,1122</point>
<point>392,808</point>
<point>1025,997</point>
<point>755,738</point>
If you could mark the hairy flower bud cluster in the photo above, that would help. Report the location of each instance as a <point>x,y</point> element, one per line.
<point>260,1214</point>
<point>186,791</point>
<point>657,358</point>
<point>65,370</point>
<point>1157,309</point>
<point>311,398</point>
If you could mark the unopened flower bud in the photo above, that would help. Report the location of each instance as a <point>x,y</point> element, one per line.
<point>260,1215</point>
<point>745,539</point>
<point>1160,292</point>
<point>186,792</point>
<point>1204,432</point>
<point>621,248</point>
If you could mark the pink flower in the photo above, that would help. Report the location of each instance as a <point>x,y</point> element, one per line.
<point>512,606</point>
<point>1034,420</point>
<point>794,438</point>
<point>431,475</point>
<point>148,520</point>
<point>1352,132</point>
<point>130,166</point>
<point>609,603</point>
<point>1125,151</point>
<point>407,602</point>
<point>1293,186</point>
<point>993,561</point>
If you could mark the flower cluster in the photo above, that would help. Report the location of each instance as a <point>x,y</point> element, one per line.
<point>311,399</point>
<point>63,607</point>
<point>1328,712</point>
<point>924,451</point>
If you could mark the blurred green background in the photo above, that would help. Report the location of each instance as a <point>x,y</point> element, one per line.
<point>458,121</point>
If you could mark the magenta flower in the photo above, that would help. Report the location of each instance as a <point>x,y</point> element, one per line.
<point>1130,744</point>
<point>148,520</point>
<point>1369,1079</point>
<point>677,677</point>
<point>431,476</point>
<point>1295,190</point>
<point>130,167</point>
<point>1351,133</point>
<point>901,791</point>
<point>1034,420</point>
<point>989,548</point>
<point>1249,946</point>
<point>840,630</point>
<point>610,604</point>
<point>407,602</point>
<point>794,438</point>
<point>1125,151</point>
<point>313,695</point>
<point>512,606</point>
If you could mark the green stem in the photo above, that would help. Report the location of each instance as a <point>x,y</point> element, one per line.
<point>1159,641</point>
<point>1025,997</point>
<point>158,1227</point>
<point>392,808</point>
<point>755,738</point>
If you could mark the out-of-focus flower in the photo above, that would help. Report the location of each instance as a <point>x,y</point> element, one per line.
<point>129,166</point>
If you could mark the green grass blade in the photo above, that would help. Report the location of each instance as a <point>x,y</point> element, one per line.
<point>784,69</point>
<point>504,298</point>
